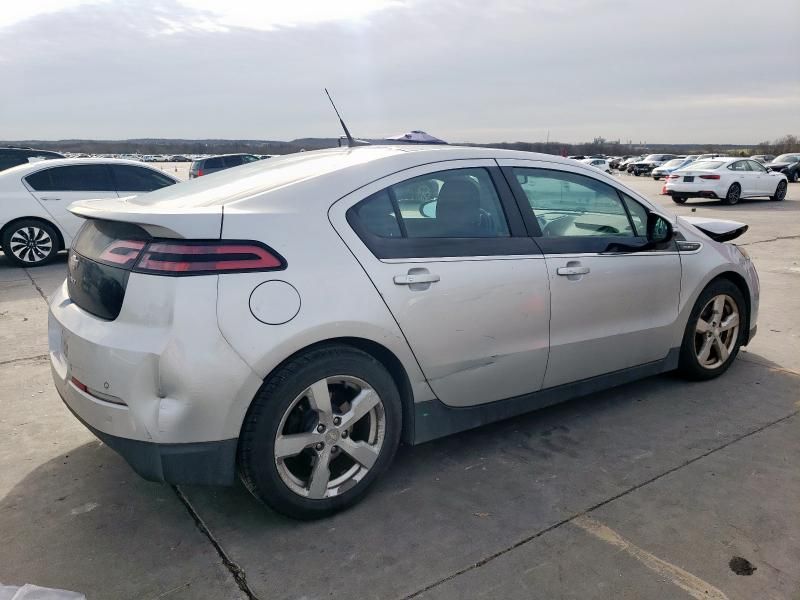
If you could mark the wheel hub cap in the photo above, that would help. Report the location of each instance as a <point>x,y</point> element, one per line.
<point>31,244</point>
<point>716,331</point>
<point>330,437</point>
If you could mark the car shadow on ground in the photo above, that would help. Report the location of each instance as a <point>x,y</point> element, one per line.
<point>461,498</point>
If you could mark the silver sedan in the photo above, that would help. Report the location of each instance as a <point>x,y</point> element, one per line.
<point>294,320</point>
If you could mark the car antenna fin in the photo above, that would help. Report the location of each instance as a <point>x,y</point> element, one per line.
<point>350,141</point>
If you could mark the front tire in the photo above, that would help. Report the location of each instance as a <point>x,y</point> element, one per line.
<point>793,176</point>
<point>733,195</point>
<point>320,431</point>
<point>30,243</point>
<point>780,192</point>
<point>714,333</point>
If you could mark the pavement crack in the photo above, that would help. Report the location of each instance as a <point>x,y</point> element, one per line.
<point>36,285</point>
<point>24,359</point>
<point>585,512</point>
<point>775,239</point>
<point>236,571</point>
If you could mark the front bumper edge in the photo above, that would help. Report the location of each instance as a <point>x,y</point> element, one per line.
<point>198,463</point>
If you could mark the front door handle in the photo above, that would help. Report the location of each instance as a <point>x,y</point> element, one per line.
<point>50,199</point>
<point>413,278</point>
<point>572,270</point>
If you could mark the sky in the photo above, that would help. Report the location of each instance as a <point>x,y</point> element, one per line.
<point>714,71</point>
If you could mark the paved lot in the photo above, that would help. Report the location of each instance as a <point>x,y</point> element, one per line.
<point>645,491</point>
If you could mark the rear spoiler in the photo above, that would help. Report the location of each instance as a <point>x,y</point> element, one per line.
<point>719,230</point>
<point>160,220</point>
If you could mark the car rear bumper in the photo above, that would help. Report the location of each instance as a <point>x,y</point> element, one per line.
<point>160,385</point>
<point>200,463</point>
<point>703,189</point>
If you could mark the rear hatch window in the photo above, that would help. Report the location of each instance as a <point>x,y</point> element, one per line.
<point>99,264</point>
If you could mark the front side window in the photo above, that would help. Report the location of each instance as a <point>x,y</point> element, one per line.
<point>570,205</point>
<point>756,166</point>
<point>248,158</point>
<point>73,178</point>
<point>739,165</point>
<point>138,179</point>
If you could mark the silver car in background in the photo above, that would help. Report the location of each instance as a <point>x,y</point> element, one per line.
<point>294,320</point>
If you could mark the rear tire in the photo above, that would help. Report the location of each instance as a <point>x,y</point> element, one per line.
<point>30,243</point>
<point>679,199</point>
<point>780,192</point>
<point>793,176</point>
<point>733,195</point>
<point>283,474</point>
<point>714,333</point>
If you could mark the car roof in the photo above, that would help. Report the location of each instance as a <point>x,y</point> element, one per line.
<point>30,167</point>
<point>220,155</point>
<point>323,174</point>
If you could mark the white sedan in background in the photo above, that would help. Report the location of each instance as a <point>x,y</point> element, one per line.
<point>598,163</point>
<point>726,179</point>
<point>34,221</point>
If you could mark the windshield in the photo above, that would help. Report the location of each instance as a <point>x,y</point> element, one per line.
<point>788,158</point>
<point>674,162</point>
<point>653,157</point>
<point>706,165</point>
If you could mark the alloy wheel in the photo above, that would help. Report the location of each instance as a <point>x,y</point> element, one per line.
<point>716,331</point>
<point>330,437</point>
<point>31,244</point>
<point>733,194</point>
<point>780,193</point>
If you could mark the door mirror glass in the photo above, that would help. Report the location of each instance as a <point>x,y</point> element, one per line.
<point>659,230</point>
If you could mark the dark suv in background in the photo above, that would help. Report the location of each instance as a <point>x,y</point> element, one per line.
<point>212,164</point>
<point>11,156</point>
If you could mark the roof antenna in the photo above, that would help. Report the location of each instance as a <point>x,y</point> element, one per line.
<point>350,141</point>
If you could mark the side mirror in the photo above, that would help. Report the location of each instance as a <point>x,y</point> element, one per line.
<point>769,169</point>
<point>659,230</point>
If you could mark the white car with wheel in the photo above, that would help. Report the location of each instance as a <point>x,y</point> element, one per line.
<point>34,221</point>
<point>293,320</point>
<point>726,179</point>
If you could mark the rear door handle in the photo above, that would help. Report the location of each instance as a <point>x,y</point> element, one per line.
<point>572,270</point>
<point>416,278</point>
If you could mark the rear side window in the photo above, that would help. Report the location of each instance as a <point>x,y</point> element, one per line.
<point>457,203</point>
<point>376,215</point>
<point>138,179</point>
<point>213,163</point>
<point>233,161</point>
<point>740,165</point>
<point>74,178</point>
<point>6,162</point>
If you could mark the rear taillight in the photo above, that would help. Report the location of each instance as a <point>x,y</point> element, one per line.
<point>709,176</point>
<point>191,257</point>
<point>199,173</point>
<point>673,176</point>
<point>207,258</point>
<point>122,252</point>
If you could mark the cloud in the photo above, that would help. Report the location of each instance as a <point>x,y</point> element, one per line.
<point>462,70</point>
